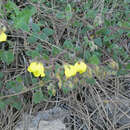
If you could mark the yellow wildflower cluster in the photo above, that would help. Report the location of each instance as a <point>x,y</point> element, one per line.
<point>80,67</point>
<point>3,36</point>
<point>71,70</point>
<point>37,69</point>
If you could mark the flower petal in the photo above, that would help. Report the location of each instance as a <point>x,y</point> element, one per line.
<point>3,37</point>
<point>80,67</point>
<point>32,67</point>
<point>69,71</point>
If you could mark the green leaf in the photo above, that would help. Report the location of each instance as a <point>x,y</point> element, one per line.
<point>68,12</point>
<point>121,31</point>
<point>68,44</point>
<point>45,56</point>
<point>65,89</point>
<point>17,89</point>
<point>19,79</point>
<point>50,92</point>
<point>87,5</point>
<point>17,105</point>
<point>14,86</point>
<point>101,31</point>
<point>34,80</point>
<point>84,30</point>
<point>34,0</point>
<point>77,24</point>
<point>78,49</point>
<point>39,48</point>
<point>10,84</point>
<point>94,60</point>
<point>87,55</point>
<point>98,42</point>
<point>68,8</point>
<point>1,75</point>
<point>48,31</point>
<point>32,39</point>
<point>1,84</point>
<point>90,81</point>
<point>24,27</point>
<point>128,66</point>
<point>38,97</point>
<point>91,14</point>
<point>23,17</point>
<point>10,6</point>
<point>43,36</point>
<point>35,27</point>
<point>2,104</point>
<point>7,57</point>
<point>86,40</point>
<point>14,102</point>
<point>32,53</point>
<point>55,51</point>
<point>107,22</point>
<point>125,24</point>
<point>122,72</point>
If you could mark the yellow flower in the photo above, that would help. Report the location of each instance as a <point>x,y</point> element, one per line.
<point>37,69</point>
<point>3,37</point>
<point>69,70</point>
<point>80,67</point>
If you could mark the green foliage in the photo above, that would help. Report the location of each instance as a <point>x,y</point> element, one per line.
<point>35,28</point>
<point>48,31</point>
<point>1,75</point>
<point>20,18</point>
<point>55,51</point>
<point>2,105</point>
<point>65,89</point>
<point>14,102</point>
<point>32,39</point>
<point>94,60</point>
<point>14,86</point>
<point>90,81</point>
<point>98,42</point>
<point>34,0</point>
<point>1,84</point>
<point>68,11</point>
<point>91,14</point>
<point>68,44</point>
<point>38,97</point>
<point>23,17</point>
<point>43,36</point>
<point>7,56</point>
<point>12,8</point>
